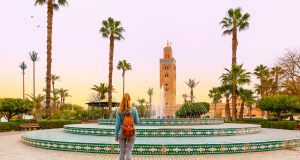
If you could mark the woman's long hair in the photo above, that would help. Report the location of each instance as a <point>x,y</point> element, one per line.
<point>125,103</point>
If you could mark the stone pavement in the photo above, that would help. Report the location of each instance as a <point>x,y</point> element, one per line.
<point>11,148</point>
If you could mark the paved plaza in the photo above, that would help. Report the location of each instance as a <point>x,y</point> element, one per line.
<point>11,148</point>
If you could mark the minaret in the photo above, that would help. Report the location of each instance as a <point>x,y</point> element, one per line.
<point>168,81</point>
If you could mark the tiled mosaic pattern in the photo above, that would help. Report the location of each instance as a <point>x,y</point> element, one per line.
<point>181,149</point>
<point>169,122</point>
<point>168,132</point>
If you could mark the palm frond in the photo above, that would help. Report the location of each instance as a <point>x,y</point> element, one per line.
<point>40,2</point>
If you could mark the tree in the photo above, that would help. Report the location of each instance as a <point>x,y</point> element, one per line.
<point>234,21</point>
<point>276,73</point>
<point>124,66</point>
<point>192,84</point>
<point>246,95</point>
<point>193,110</point>
<point>237,76</point>
<point>37,103</point>
<point>51,6</point>
<point>279,104</point>
<point>216,95</point>
<point>54,78</point>
<point>63,94</point>
<point>225,91</point>
<point>141,101</point>
<point>101,90</point>
<point>150,94</point>
<point>262,73</point>
<point>113,30</point>
<point>184,96</point>
<point>23,67</point>
<point>14,106</point>
<point>55,100</point>
<point>34,57</point>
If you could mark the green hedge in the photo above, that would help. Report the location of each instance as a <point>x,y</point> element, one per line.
<point>47,124</point>
<point>44,124</point>
<point>9,126</point>
<point>291,125</point>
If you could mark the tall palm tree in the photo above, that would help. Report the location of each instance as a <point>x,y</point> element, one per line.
<point>237,76</point>
<point>124,66</point>
<point>216,95</point>
<point>225,90</point>
<point>246,95</point>
<point>150,94</point>
<point>37,100</point>
<point>184,96</point>
<point>34,57</point>
<point>276,72</point>
<point>101,90</point>
<point>234,21</point>
<point>54,78</point>
<point>23,67</point>
<point>51,6</point>
<point>113,30</point>
<point>192,84</point>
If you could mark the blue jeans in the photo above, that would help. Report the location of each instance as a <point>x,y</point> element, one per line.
<point>126,147</point>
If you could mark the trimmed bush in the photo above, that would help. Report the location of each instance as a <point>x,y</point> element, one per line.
<point>291,125</point>
<point>48,124</point>
<point>9,126</point>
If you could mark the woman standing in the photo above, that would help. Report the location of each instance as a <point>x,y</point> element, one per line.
<point>126,118</point>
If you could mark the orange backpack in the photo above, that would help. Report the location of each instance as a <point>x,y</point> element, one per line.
<point>128,126</point>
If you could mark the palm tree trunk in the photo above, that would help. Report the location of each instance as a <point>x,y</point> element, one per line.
<point>227,110</point>
<point>234,97</point>
<point>111,54</point>
<point>123,75</point>
<point>242,110</point>
<point>33,79</point>
<point>49,59</point>
<point>192,95</point>
<point>150,105</point>
<point>23,85</point>
<point>215,110</point>
<point>234,45</point>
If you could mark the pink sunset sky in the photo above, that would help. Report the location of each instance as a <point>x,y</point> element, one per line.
<point>80,54</point>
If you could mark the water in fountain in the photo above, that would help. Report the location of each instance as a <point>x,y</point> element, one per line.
<point>159,109</point>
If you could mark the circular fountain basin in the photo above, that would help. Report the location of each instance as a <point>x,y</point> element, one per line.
<point>267,140</point>
<point>170,122</point>
<point>229,129</point>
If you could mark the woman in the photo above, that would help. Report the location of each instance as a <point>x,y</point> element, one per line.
<point>126,144</point>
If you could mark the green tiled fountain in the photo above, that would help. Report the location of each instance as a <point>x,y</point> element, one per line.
<point>167,136</point>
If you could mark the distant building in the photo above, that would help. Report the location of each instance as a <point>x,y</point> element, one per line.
<point>168,81</point>
<point>219,111</point>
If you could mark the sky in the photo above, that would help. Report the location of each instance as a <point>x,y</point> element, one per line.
<point>80,53</point>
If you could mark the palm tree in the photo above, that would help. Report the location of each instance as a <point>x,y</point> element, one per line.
<point>55,99</point>
<point>141,101</point>
<point>276,72</point>
<point>54,78</point>
<point>37,100</point>
<point>184,96</point>
<point>246,95</point>
<point>192,84</point>
<point>51,6</point>
<point>216,95</point>
<point>225,90</point>
<point>237,76</point>
<point>124,66</point>
<point>263,74</point>
<point>113,30</point>
<point>63,94</point>
<point>34,57</point>
<point>23,66</point>
<point>234,21</point>
<point>150,93</point>
<point>101,90</point>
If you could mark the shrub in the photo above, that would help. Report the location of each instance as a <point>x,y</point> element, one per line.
<point>9,126</point>
<point>10,107</point>
<point>291,125</point>
<point>47,124</point>
<point>193,110</point>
